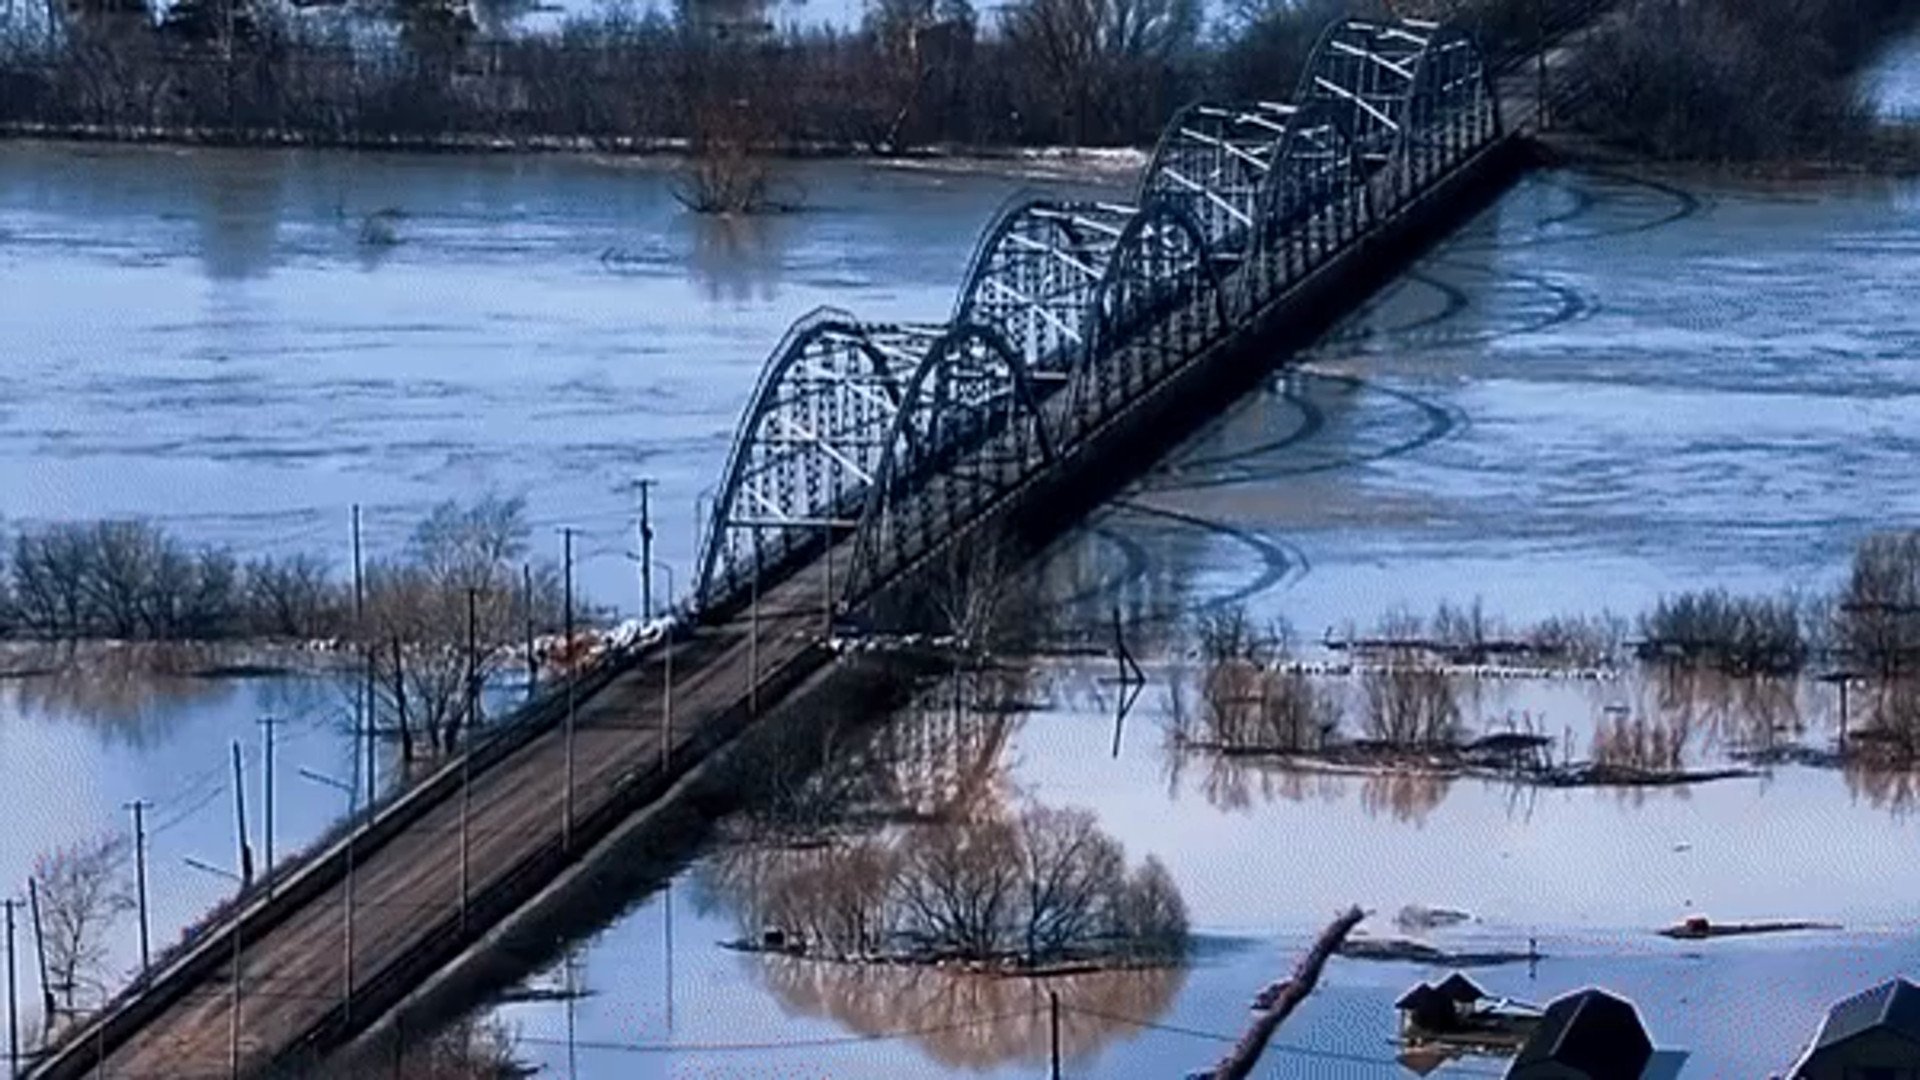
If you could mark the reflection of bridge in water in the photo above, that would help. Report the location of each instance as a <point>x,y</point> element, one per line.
<point>1087,337</point>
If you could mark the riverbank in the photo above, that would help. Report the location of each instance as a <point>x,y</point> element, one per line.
<point>1068,162</point>
<point>1888,150</point>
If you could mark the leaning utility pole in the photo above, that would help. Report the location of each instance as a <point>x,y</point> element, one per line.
<point>13,1005</point>
<point>268,723</point>
<point>646,550</point>
<point>48,1007</point>
<point>466,747</point>
<point>240,819</point>
<point>139,807</point>
<point>526,614</point>
<point>566,821</point>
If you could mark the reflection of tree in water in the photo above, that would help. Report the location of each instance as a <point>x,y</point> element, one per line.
<point>1083,577</point>
<point>1237,783</point>
<point>1240,782</point>
<point>138,694</point>
<point>737,257</point>
<point>1731,713</point>
<point>945,760</point>
<point>1409,796</point>
<point>949,1009</point>
<point>1885,785</point>
<point>132,694</point>
<point>941,757</point>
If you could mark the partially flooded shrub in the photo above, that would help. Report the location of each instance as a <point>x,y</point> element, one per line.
<point>1892,730</point>
<point>1229,634</point>
<point>1634,742</point>
<point>1582,640</point>
<point>1739,635</point>
<point>1464,632</point>
<point>1251,707</point>
<point>1044,886</point>
<point>1879,609</point>
<point>1410,704</point>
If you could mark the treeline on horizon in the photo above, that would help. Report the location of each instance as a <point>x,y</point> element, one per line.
<point>915,73</point>
<point>132,580</point>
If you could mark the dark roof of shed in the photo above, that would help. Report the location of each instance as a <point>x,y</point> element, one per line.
<point>1415,998</point>
<point>1458,988</point>
<point>1592,1031</point>
<point>1894,1005</point>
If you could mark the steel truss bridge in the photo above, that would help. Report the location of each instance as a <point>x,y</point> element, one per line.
<point>898,435</point>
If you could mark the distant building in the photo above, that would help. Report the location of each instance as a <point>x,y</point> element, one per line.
<point>1462,992</point>
<point>1870,1036</point>
<point>1589,1035</point>
<point>1423,1010</point>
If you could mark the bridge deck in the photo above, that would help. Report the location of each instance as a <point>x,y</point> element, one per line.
<point>295,977</point>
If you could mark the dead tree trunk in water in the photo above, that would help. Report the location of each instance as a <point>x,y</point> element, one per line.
<point>1282,998</point>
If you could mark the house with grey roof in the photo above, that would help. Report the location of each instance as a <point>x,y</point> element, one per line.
<point>1588,1035</point>
<point>1870,1036</point>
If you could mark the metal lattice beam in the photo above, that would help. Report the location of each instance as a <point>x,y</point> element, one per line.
<point>901,435</point>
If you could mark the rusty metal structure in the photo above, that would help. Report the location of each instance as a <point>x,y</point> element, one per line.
<point>895,436</point>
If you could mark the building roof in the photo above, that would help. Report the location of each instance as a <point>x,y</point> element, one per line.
<point>1459,989</point>
<point>1894,1005</point>
<point>1592,1032</point>
<point>1416,998</point>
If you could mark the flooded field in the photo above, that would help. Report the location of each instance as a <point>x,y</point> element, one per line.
<point>1608,387</point>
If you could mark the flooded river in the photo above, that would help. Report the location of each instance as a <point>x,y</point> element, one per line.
<point>1607,387</point>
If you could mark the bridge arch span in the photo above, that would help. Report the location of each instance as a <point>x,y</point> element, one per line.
<point>1213,159</point>
<point>1161,262</point>
<point>970,428</point>
<point>1034,276</point>
<point>1406,89</point>
<point>807,445</point>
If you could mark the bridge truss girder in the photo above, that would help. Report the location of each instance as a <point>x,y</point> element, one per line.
<point>899,435</point>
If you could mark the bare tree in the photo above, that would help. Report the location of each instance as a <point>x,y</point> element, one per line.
<point>293,597</point>
<point>1880,605</point>
<point>468,1050</point>
<point>1075,875</point>
<point>960,887</point>
<point>83,892</point>
<point>1088,50</point>
<point>1410,703</point>
<point>415,631</point>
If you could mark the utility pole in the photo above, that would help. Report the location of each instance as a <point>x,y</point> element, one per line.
<point>268,723</point>
<point>466,747</point>
<point>526,614</point>
<point>373,731</point>
<point>240,820</point>
<point>13,1004</point>
<point>139,807</point>
<point>359,587</point>
<point>566,821</point>
<point>666,690</point>
<point>646,550</point>
<point>400,703</point>
<point>347,921</point>
<point>1053,1011</point>
<point>47,1005</point>
<point>233,1010</point>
